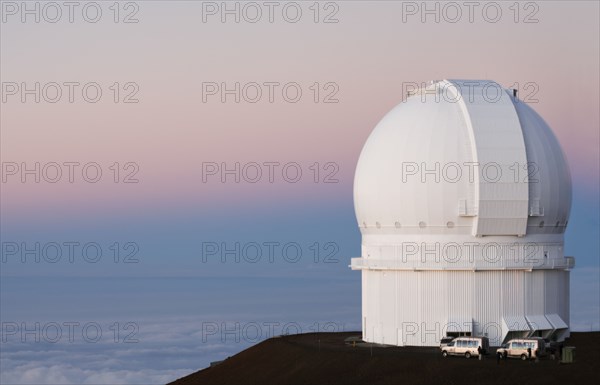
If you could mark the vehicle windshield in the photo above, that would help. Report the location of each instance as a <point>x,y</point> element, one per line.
<point>451,343</point>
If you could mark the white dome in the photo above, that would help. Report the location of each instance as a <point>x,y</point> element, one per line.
<point>462,195</point>
<point>452,159</point>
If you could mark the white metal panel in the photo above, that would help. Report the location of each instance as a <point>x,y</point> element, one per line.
<point>549,176</point>
<point>427,135</point>
<point>459,324</point>
<point>553,287</point>
<point>486,305</point>
<point>435,309</point>
<point>515,323</point>
<point>565,312</point>
<point>399,337</point>
<point>512,292</point>
<point>388,310</point>
<point>538,322</point>
<point>409,301</point>
<point>556,321</point>
<point>503,200</point>
<point>366,301</point>
<point>535,289</point>
<point>458,287</point>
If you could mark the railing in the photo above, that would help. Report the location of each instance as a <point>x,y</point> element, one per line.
<point>565,263</point>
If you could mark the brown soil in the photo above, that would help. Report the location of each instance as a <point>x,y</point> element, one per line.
<point>324,358</point>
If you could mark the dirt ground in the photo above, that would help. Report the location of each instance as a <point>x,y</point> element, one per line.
<point>324,358</point>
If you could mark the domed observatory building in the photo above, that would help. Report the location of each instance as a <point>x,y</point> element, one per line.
<point>462,195</point>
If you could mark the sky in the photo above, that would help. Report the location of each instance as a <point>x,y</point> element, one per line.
<point>196,161</point>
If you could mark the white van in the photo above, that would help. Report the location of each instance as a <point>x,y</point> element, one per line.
<point>466,346</point>
<point>446,340</point>
<point>519,348</point>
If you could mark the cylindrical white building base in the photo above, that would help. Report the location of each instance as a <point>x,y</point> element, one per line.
<point>418,308</point>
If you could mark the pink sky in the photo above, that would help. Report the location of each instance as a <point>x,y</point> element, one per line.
<point>369,54</point>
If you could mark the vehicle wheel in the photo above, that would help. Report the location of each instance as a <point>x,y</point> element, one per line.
<point>468,355</point>
<point>444,354</point>
<point>523,357</point>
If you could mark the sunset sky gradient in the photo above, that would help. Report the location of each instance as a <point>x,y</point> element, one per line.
<point>370,55</point>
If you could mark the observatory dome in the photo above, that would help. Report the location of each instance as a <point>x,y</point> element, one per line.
<point>462,157</point>
<point>462,195</point>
